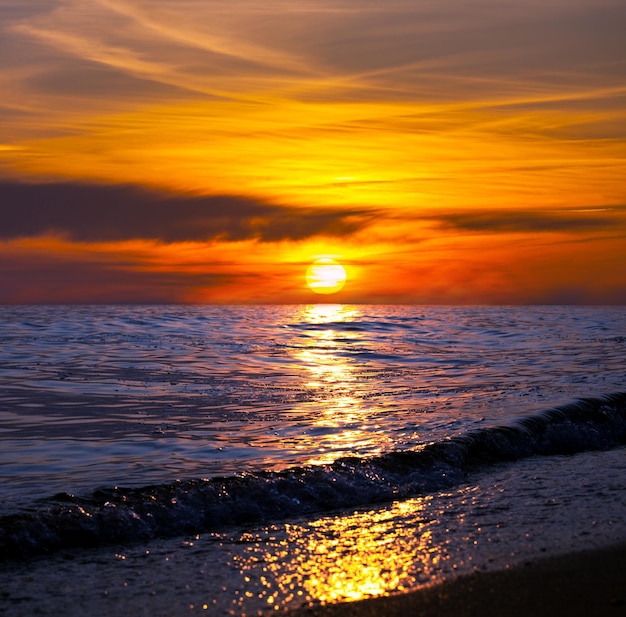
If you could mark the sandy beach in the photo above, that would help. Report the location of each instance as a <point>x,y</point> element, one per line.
<point>585,584</point>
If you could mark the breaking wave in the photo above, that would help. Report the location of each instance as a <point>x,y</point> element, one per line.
<point>116,515</point>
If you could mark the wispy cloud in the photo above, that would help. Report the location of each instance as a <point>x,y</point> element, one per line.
<point>445,51</point>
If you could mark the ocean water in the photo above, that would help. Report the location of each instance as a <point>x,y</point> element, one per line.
<point>300,454</point>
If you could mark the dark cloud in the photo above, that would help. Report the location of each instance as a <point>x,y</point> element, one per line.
<point>581,295</point>
<point>94,213</point>
<point>45,277</point>
<point>535,221</point>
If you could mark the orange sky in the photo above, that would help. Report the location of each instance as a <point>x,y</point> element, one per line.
<point>459,151</point>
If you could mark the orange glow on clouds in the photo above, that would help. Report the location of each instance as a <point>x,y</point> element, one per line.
<point>376,154</point>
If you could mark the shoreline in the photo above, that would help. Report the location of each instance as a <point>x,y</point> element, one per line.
<point>579,584</point>
<point>514,543</point>
<point>585,583</point>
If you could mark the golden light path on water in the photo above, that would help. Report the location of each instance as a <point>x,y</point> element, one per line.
<point>343,558</point>
<point>349,561</point>
<point>350,557</point>
<point>343,418</point>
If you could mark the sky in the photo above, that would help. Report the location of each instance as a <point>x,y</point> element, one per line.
<point>207,151</point>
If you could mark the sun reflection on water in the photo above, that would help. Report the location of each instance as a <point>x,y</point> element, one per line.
<point>345,558</point>
<point>344,423</point>
<point>341,558</point>
<point>328,313</point>
<point>349,558</point>
<point>338,558</point>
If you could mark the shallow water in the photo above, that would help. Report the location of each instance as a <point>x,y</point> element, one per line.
<point>508,515</point>
<point>108,395</point>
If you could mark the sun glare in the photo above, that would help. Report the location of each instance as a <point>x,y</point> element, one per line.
<point>325,276</point>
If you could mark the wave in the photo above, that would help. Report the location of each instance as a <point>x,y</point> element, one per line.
<point>120,515</point>
<point>364,324</point>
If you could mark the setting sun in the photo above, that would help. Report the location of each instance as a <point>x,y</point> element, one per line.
<point>325,276</point>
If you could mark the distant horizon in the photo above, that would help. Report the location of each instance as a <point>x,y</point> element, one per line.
<point>312,303</point>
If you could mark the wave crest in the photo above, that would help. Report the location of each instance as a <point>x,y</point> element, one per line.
<point>119,515</point>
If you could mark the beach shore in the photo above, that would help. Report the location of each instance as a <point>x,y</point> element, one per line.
<point>590,583</point>
<point>585,584</point>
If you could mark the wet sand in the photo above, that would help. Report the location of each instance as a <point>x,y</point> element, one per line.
<point>585,584</point>
<point>591,583</point>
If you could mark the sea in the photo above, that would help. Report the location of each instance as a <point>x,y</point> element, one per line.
<point>248,460</point>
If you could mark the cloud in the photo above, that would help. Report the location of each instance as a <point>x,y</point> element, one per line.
<point>534,221</point>
<point>84,80</point>
<point>35,276</point>
<point>103,213</point>
<point>434,50</point>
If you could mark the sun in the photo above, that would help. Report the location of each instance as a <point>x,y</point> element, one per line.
<point>325,276</point>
